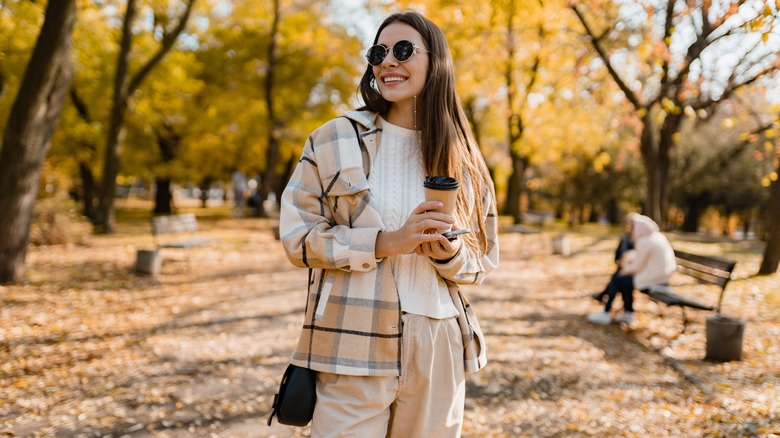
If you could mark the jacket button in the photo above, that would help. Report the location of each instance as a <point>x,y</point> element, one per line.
<point>366,265</point>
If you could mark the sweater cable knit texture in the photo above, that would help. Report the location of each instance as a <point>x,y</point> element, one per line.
<point>396,188</point>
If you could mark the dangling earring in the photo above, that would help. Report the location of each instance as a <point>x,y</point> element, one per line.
<point>415,112</point>
<point>414,77</point>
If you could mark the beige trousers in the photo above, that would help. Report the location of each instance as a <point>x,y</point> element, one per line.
<point>426,401</point>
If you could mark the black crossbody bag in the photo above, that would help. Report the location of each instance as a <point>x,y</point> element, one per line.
<point>294,403</point>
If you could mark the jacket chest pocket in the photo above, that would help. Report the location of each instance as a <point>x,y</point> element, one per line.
<point>347,194</point>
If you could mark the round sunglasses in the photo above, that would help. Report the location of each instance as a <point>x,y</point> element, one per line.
<point>402,52</point>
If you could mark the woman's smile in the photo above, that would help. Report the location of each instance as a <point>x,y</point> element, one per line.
<point>393,79</point>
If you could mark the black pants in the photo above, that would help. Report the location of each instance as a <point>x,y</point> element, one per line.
<point>623,284</point>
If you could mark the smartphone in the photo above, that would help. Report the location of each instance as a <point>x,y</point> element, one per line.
<point>452,235</point>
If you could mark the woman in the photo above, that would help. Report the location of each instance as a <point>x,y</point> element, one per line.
<point>386,328</point>
<point>653,263</point>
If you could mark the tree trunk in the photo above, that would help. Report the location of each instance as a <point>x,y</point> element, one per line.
<point>611,210</point>
<point>269,178</point>
<point>772,252</point>
<point>205,186</point>
<point>115,138</point>
<point>515,188</point>
<point>26,141</point>
<point>694,208</point>
<point>670,127</point>
<point>163,199</point>
<point>123,90</point>
<point>514,125</point>
<point>727,214</point>
<point>289,168</point>
<point>85,170</point>
<point>563,201</point>
<point>88,190</point>
<point>648,146</point>
<point>168,142</point>
<point>656,157</point>
<point>593,217</point>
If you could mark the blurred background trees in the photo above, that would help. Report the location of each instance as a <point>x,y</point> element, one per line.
<point>583,109</point>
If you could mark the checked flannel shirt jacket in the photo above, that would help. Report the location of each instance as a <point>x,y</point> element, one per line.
<point>328,224</point>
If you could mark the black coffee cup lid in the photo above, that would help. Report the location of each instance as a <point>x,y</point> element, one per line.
<point>441,183</point>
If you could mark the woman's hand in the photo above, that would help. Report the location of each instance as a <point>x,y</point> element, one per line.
<point>440,250</point>
<point>415,231</point>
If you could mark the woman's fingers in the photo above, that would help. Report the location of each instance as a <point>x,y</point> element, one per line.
<point>430,237</point>
<point>427,206</point>
<point>428,224</point>
<point>439,249</point>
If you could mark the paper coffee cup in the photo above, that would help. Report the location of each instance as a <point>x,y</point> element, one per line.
<point>444,189</point>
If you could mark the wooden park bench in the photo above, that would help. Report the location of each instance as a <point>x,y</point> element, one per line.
<point>184,227</point>
<point>537,218</point>
<point>710,270</point>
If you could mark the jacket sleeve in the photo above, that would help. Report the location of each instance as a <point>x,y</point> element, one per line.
<point>470,265</point>
<point>638,263</point>
<point>312,235</point>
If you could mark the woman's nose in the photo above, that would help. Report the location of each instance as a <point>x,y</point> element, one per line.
<point>390,59</point>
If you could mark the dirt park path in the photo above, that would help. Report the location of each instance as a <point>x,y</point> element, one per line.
<point>90,349</point>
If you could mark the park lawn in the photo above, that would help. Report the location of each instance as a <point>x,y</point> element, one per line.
<point>88,348</point>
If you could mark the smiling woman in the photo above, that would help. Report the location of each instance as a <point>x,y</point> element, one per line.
<point>384,307</point>
<point>400,72</point>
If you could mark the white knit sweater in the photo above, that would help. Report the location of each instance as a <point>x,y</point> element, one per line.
<point>396,183</point>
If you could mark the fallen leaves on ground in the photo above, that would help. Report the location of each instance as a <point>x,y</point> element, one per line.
<point>88,348</point>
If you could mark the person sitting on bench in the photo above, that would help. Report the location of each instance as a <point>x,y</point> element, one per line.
<point>653,263</point>
<point>623,253</point>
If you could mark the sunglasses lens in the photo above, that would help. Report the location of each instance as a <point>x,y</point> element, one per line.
<point>376,55</point>
<point>403,50</point>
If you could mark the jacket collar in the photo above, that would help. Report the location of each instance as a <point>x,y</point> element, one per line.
<point>368,132</point>
<point>366,118</point>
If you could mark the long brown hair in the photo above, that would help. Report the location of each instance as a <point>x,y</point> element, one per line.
<point>448,145</point>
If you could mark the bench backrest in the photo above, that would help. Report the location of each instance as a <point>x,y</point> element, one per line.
<point>179,223</point>
<point>712,270</point>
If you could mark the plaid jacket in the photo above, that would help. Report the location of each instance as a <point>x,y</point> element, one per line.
<point>353,314</point>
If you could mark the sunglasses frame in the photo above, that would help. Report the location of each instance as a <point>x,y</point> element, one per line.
<point>387,50</point>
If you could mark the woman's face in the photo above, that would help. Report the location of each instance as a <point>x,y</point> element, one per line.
<point>399,82</point>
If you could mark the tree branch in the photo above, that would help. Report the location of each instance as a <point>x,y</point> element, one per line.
<point>720,162</point>
<point>748,108</point>
<point>702,40</point>
<point>630,95</point>
<point>668,26</point>
<point>81,106</point>
<point>537,61</point>
<point>167,43</point>
<point>706,26</point>
<point>730,90</point>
